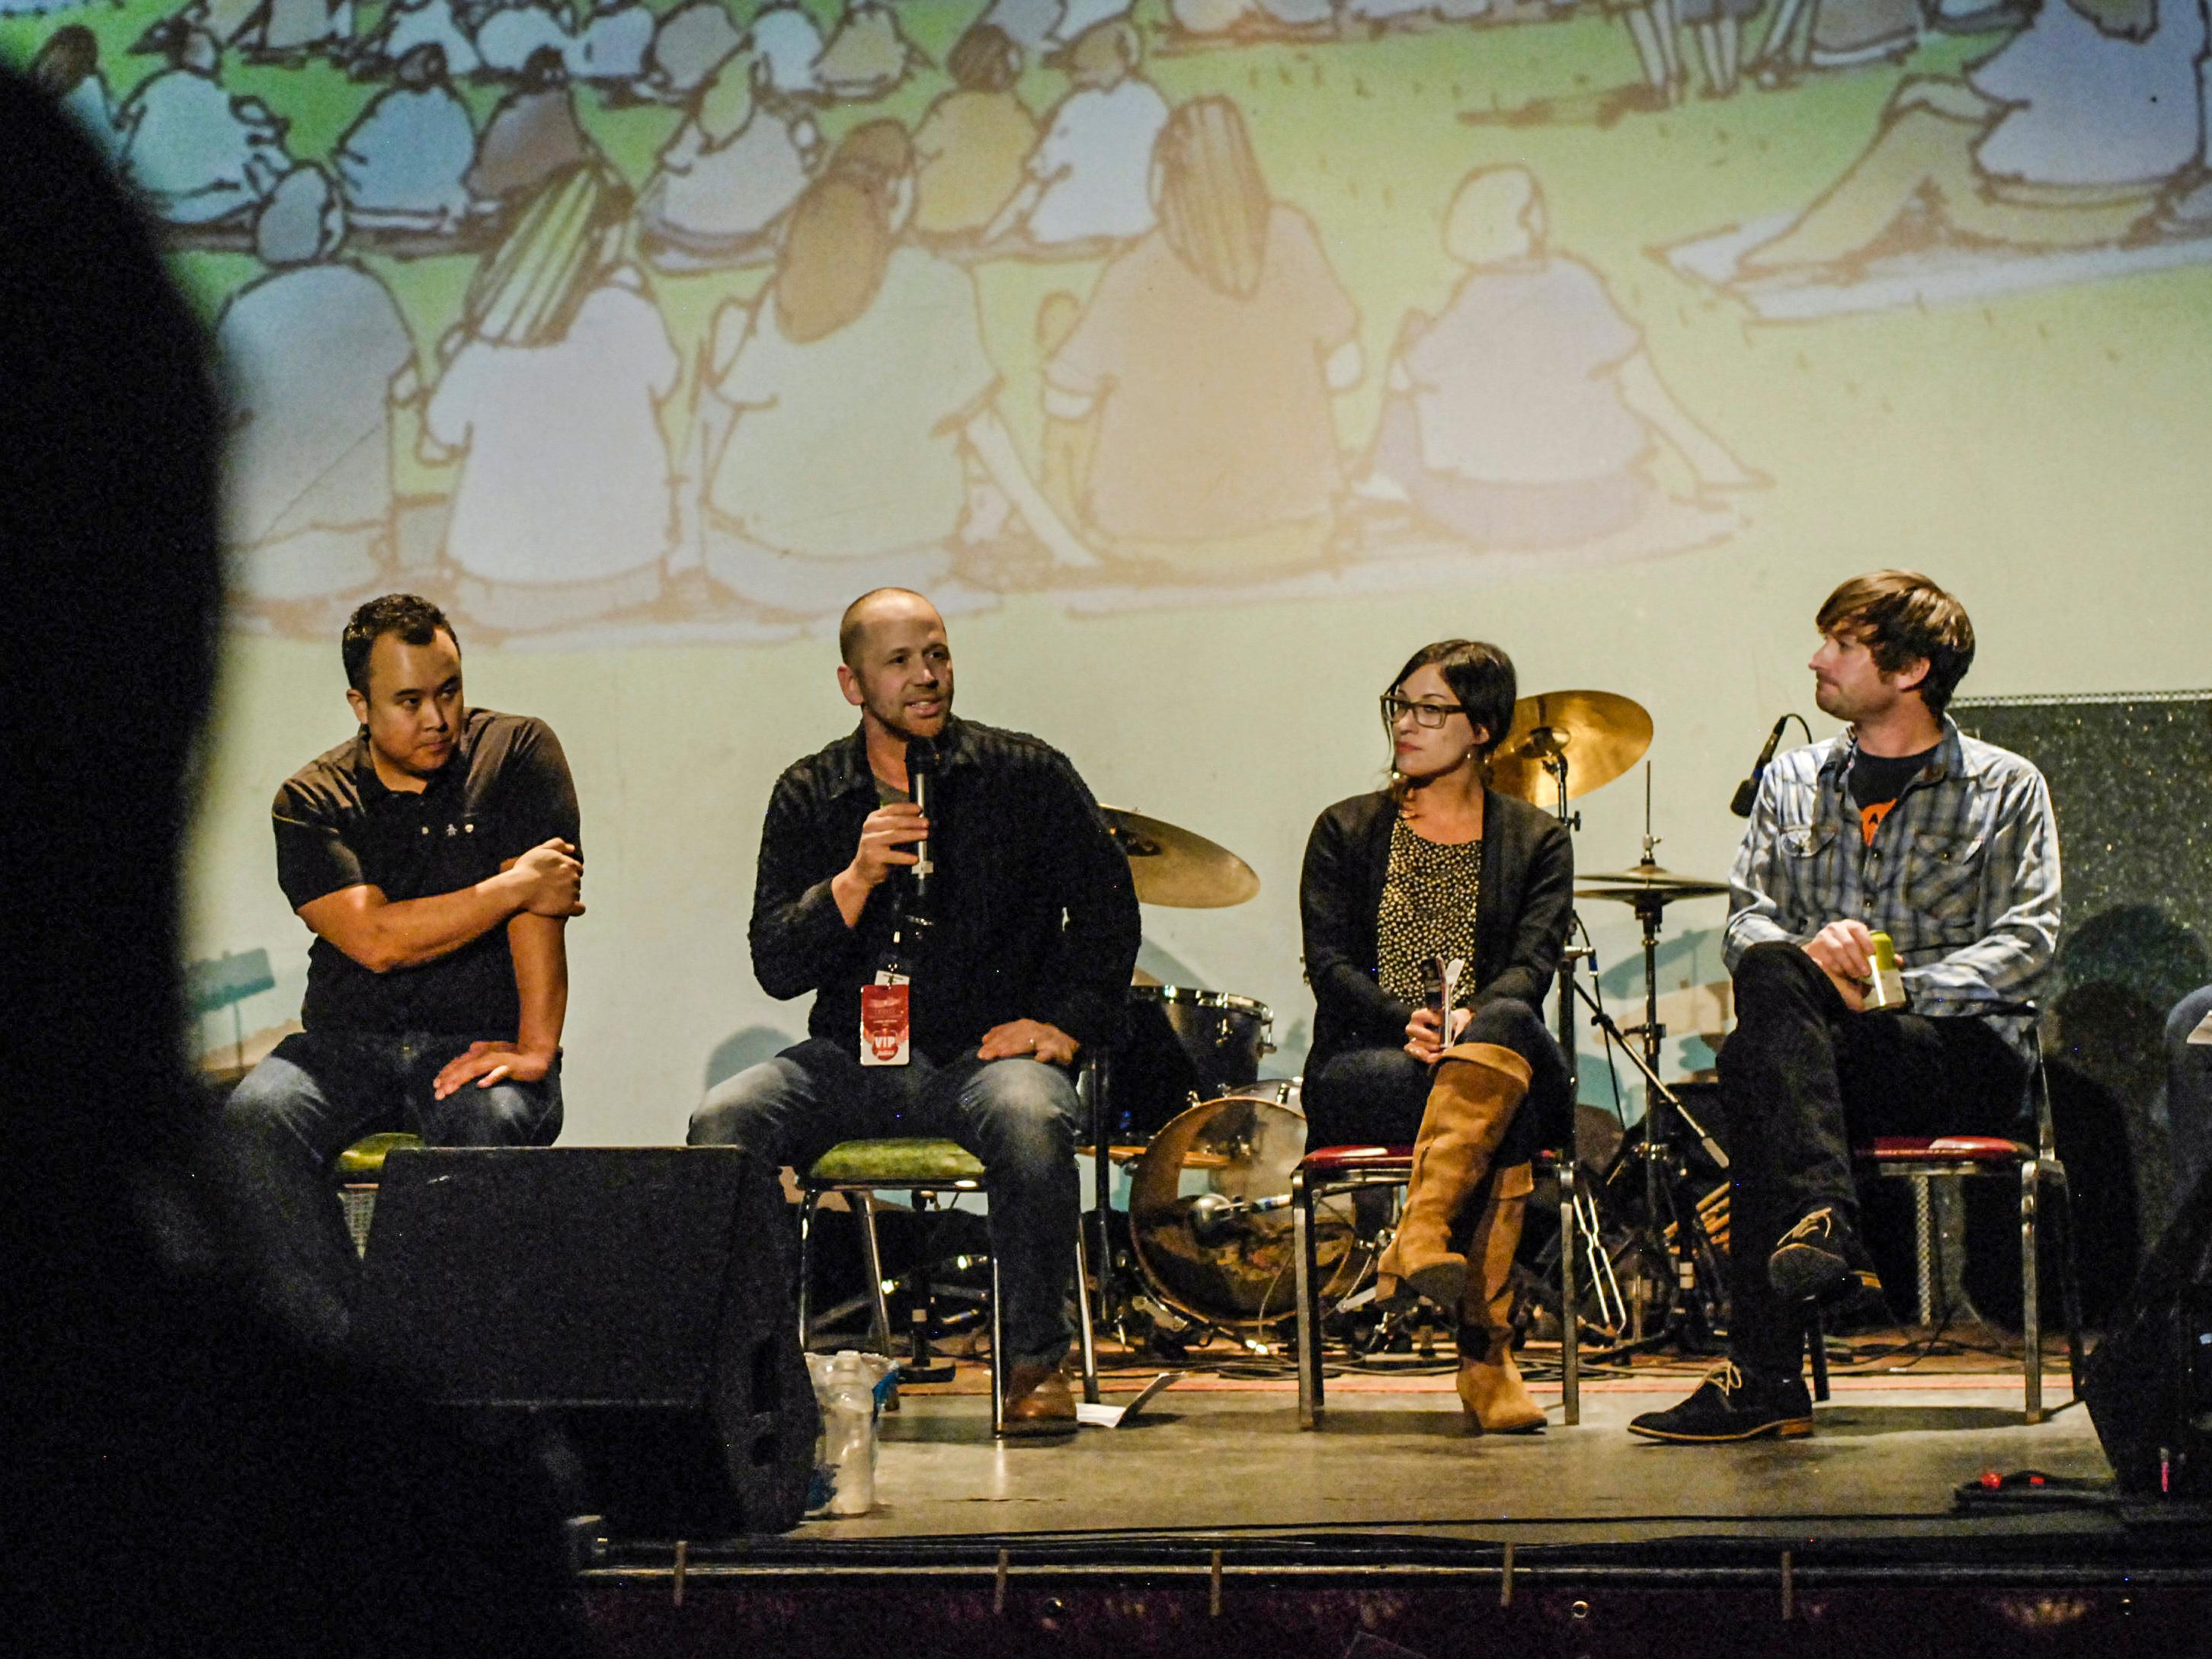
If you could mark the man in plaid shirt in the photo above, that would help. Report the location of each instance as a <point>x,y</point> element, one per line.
<point>1901,826</point>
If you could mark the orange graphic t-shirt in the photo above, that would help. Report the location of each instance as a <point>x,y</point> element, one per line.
<point>1877,781</point>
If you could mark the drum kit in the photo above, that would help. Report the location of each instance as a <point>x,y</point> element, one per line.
<point>1210,1144</point>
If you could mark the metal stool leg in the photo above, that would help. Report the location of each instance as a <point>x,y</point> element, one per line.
<point>1816,1341</point>
<point>807,1201</point>
<point>1309,1293</point>
<point>1923,1235</point>
<point>1570,1335</point>
<point>998,1352</point>
<point>879,1306</point>
<point>1083,1319</point>
<point>2030,1313</point>
<point>2069,1283</point>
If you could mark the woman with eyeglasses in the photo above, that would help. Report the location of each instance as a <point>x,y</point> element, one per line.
<point>1437,868</point>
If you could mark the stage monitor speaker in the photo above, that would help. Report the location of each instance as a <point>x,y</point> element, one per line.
<point>2149,1385</point>
<point>638,1295</point>
<point>2130,779</point>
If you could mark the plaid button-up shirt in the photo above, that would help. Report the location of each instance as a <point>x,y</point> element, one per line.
<point>1962,873</point>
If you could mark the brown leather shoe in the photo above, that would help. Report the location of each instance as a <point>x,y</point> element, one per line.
<point>1038,1402</point>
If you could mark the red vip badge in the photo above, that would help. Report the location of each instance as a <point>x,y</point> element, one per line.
<point>885,1027</point>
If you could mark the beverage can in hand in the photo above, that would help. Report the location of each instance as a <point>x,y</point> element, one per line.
<point>1887,988</point>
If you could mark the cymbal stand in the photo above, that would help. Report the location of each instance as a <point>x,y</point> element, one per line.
<point>1117,1285</point>
<point>1664,1168</point>
<point>1550,743</point>
<point>1095,1082</point>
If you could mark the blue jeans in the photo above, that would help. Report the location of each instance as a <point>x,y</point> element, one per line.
<point>1018,1115</point>
<point>2188,1094</point>
<point>316,1094</point>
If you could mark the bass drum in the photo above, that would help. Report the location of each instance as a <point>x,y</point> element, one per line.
<point>1181,1046</point>
<point>1287,1092</point>
<point>1210,1212</point>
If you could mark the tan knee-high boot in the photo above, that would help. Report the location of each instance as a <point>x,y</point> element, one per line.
<point>1471,1104</point>
<point>1490,1385</point>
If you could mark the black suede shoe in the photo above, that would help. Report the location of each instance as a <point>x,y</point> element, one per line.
<point>1821,1260</point>
<point>1733,1404</point>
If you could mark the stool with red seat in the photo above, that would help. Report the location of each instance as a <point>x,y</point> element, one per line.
<point>1924,1158</point>
<point>1329,1171</point>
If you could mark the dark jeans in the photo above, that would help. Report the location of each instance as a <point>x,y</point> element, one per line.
<point>2188,1095</point>
<point>1376,1096</point>
<point>1802,1079</point>
<point>1018,1115</point>
<point>315,1094</point>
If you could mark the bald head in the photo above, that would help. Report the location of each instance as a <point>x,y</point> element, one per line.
<point>898,666</point>
<point>876,605</point>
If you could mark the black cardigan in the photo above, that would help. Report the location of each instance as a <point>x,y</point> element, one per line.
<point>1526,899</point>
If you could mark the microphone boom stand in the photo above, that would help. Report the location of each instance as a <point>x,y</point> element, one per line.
<point>1598,1272</point>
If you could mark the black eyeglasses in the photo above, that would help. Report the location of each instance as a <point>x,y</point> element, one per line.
<point>1428,714</point>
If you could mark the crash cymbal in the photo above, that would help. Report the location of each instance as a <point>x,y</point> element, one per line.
<point>1631,883</point>
<point>1177,867</point>
<point>1602,734</point>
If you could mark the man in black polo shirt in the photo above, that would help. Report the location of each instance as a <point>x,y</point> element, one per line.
<point>1031,933</point>
<point>434,854</point>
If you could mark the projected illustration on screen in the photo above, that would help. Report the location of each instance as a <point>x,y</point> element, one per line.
<point>615,323</point>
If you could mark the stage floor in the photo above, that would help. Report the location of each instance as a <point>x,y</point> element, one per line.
<point>1214,1454</point>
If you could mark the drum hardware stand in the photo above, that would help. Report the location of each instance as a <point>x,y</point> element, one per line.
<point>1663,1170</point>
<point>1114,1276</point>
<point>1669,1230</point>
<point>1552,745</point>
<point>1097,1079</point>
<point>1549,744</point>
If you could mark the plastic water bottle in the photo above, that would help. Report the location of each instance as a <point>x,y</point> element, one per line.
<point>849,1432</point>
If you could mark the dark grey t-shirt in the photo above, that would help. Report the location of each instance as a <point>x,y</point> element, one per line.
<point>505,790</point>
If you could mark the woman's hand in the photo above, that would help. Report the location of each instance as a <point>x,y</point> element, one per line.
<point>1423,1041</point>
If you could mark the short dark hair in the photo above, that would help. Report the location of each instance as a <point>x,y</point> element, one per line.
<point>1481,678</point>
<point>1901,617</point>
<point>412,617</point>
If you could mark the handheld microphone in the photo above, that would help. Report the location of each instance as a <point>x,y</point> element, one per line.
<point>1747,791</point>
<point>920,766</point>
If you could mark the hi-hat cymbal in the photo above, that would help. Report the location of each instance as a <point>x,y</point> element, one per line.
<point>1630,885</point>
<point>1177,867</point>
<point>1600,733</point>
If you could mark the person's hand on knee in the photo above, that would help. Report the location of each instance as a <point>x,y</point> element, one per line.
<point>1844,951</point>
<point>1027,1039</point>
<point>485,1063</point>
<point>1424,1039</point>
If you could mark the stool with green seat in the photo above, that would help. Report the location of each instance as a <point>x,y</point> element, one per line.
<point>861,1169</point>
<point>360,1171</point>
